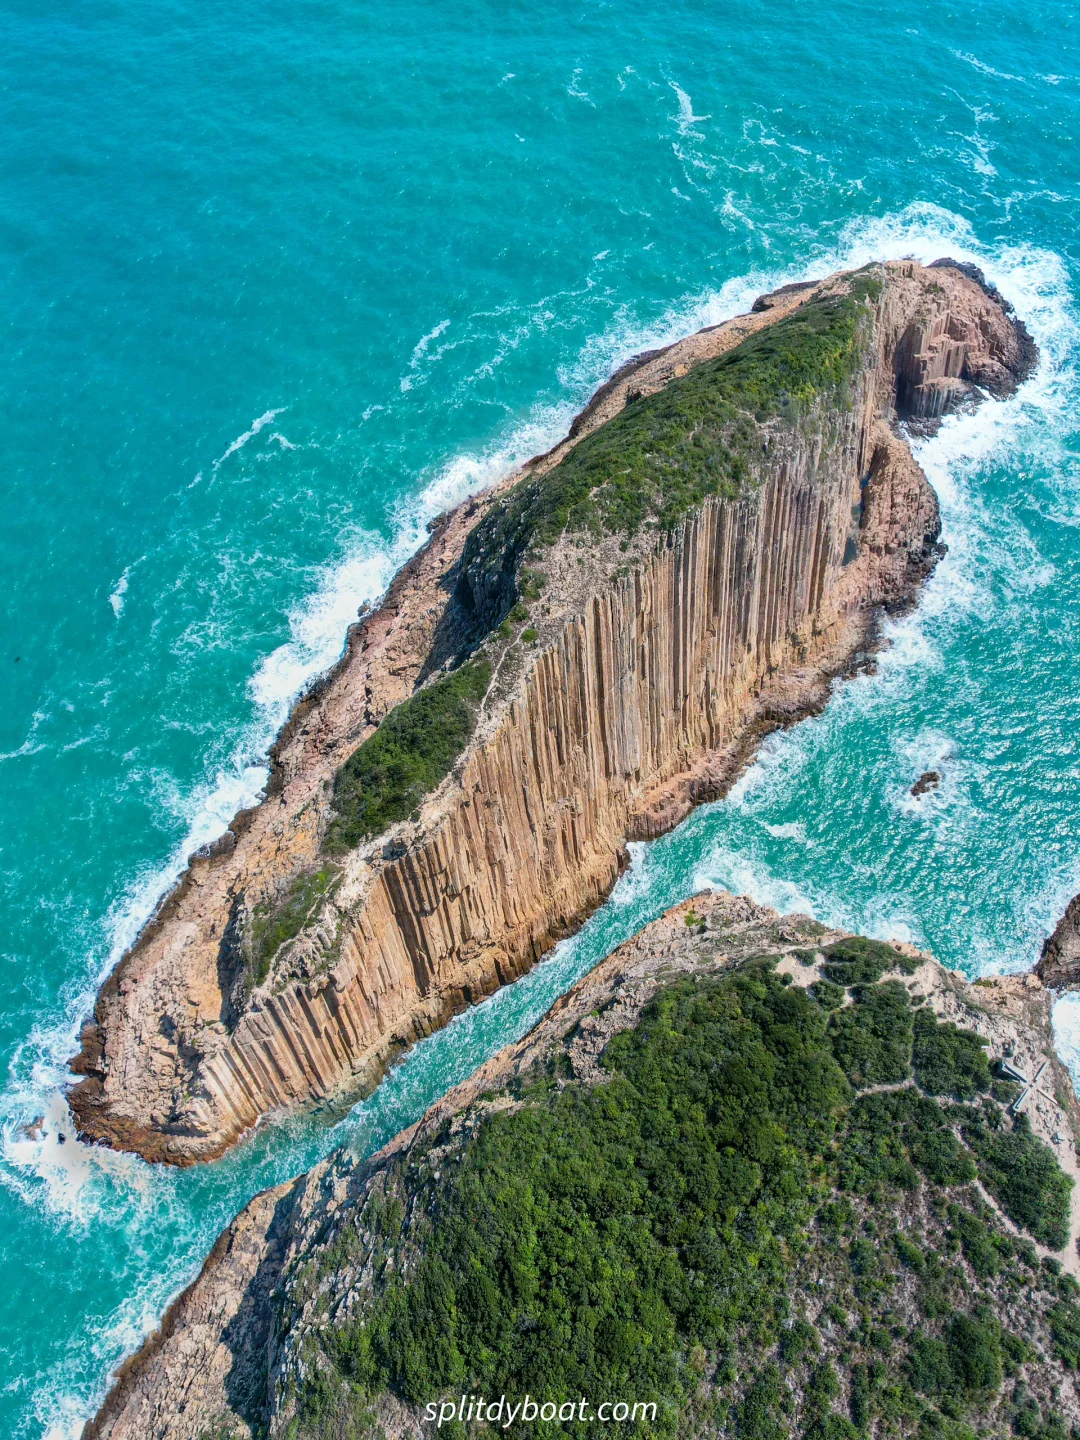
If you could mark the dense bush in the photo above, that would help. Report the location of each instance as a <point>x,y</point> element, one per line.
<point>858,961</point>
<point>411,752</point>
<point>1065,1330</point>
<point>584,1234</point>
<point>641,1235</point>
<point>892,1137</point>
<point>872,1039</point>
<point>1024,1176</point>
<point>950,1061</point>
<point>965,1362</point>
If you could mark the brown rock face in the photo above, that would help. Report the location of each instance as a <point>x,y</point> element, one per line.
<point>655,667</point>
<point>1059,964</point>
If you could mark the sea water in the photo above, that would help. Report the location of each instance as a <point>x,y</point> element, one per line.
<point>280,283</point>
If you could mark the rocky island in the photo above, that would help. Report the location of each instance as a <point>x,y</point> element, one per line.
<point>573,661</point>
<point>771,1178</point>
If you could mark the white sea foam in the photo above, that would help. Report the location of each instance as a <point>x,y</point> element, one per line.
<point>420,350</point>
<point>1066,1022</point>
<point>744,874</point>
<point>575,91</point>
<point>116,599</point>
<point>31,745</point>
<point>249,434</point>
<point>686,119</point>
<point>985,69</point>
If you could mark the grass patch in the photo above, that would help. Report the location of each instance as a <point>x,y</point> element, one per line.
<point>413,749</point>
<point>275,922</point>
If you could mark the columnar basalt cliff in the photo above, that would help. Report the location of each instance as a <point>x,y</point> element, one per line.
<point>907,1241</point>
<point>712,544</point>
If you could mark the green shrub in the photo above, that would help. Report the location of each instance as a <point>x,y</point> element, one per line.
<point>1065,1332</point>
<point>872,1038</point>
<point>974,1355</point>
<point>858,961</point>
<point>828,995</point>
<point>950,1061</point>
<point>1025,1178</point>
<point>413,749</point>
<point>983,1248</point>
<point>966,1362</point>
<point>894,1135</point>
<point>276,922</point>
<point>761,1414</point>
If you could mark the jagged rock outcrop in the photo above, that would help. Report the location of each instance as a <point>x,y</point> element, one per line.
<point>238,1347</point>
<point>1059,964</point>
<point>653,659</point>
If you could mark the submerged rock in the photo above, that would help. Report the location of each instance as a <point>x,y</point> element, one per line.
<point>927,781</point>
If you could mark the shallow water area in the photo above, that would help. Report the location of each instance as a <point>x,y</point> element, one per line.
<point>281,284</point>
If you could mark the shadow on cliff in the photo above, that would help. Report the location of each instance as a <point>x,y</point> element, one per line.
<point>249,1334</point>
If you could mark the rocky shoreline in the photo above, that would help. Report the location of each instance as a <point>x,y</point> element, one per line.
<point>238,1348</point>
<point>633,664</point>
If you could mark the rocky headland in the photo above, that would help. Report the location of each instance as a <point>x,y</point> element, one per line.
<point>778,1179</point>
<point>572,661</point>
<point>1059,964</point>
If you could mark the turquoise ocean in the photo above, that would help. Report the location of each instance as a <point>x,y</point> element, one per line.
<point>280,283</point>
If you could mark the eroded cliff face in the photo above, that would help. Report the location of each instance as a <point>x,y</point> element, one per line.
<point>1059,964</point>
<point>242,1346</point>
<point>650,665</point>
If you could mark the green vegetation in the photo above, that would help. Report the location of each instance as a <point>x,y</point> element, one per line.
<point>1023,1175</point>
<point>1065,1330</point>
<point>858,961</point>
<point>949,1061</point>
<point>872,1039</point>
<point>964,1363</point>
<point>411,752</point>
<point>893,1138</point>
<point>828,995</point>
<point>667,452</point>
<point>276,922</point>
<point>662,1234</point>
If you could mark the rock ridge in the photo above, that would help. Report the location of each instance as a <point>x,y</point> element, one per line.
<point>651,662</point>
